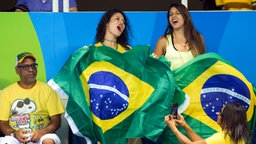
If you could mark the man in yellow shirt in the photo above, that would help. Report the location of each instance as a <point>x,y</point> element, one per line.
<point>30,109</point>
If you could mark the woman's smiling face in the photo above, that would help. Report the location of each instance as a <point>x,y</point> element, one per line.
<point>175,18</point>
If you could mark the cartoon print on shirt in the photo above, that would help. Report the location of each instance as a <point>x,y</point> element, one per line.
<point>21,109</point>
<point>39,122</point>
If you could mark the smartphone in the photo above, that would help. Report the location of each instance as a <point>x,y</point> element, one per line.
<point>174,110</point>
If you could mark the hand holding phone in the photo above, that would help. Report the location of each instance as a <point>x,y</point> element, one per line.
<point>174,110</point>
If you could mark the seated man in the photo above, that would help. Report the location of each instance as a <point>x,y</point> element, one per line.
<point>30,109</point>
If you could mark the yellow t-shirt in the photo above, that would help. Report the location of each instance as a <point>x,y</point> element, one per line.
<point>120,48</point>
<point>29,109</point>
<point>236,4</point>
<point>219,138</point>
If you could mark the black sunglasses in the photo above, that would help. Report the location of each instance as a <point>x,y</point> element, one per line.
<point>27,66</point>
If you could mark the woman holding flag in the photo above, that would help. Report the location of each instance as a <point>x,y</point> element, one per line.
<point>181,42</point>
<point>113,32</point>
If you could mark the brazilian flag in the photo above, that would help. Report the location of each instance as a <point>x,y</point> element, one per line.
<point>114,96</point>
<point>211,82</point>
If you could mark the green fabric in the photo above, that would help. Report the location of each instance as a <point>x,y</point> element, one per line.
<point>211,81</point>
<point>150,92</point>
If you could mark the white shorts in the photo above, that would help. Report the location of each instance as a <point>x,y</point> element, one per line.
<point>12,140</point>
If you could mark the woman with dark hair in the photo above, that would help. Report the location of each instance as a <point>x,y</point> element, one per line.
<point>181,42</point>
<point>232,120</point>
<point>113,31</point>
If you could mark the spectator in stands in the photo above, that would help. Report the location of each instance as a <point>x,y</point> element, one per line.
<point>30,109</point>
<point>181,42</point>
<point>46,5</point>
<point>232,120</point>
<point>236,4</point>
<point>112,31</point>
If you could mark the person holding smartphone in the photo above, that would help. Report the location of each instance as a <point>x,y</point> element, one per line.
<point>174,110</point>
<point>232,120</point>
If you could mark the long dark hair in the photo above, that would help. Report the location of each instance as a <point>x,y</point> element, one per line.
<point>123,39</point>
<point>192,35</point>
<point>234,122</point>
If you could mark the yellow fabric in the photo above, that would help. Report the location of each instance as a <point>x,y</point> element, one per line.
<point>120,48</point>
<point>29,109</point>
<point>176,58</point>
<point>136,98</point>
<point>219,138</point>
<point>236,4</point>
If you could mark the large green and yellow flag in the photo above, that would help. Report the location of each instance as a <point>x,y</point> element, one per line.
<point>211,82</point>
<point>114,96</point>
